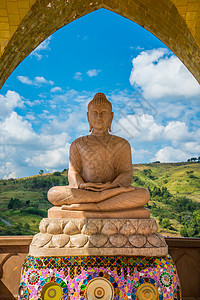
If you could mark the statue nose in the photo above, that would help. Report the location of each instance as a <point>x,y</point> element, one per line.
<point>99,116</point>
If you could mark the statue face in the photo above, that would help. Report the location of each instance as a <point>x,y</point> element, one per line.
<point>100,117</point>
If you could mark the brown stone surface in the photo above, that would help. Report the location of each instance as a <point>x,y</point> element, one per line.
<point>100,169</point>
<point>175,22</point>
<point>98,237</point>
<point>162,251</point>
<point>139,213</point>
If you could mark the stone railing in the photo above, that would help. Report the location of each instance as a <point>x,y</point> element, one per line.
<point>184,251</point>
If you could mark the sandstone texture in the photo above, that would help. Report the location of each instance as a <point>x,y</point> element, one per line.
<point>98,236</point>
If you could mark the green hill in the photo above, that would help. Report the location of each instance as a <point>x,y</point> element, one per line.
<point>174,188</point>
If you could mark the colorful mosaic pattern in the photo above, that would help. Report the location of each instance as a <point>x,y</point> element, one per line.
<point>129,276</point>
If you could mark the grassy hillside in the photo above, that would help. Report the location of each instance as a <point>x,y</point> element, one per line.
<point>175,198</point>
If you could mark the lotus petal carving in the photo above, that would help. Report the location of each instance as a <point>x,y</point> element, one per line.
<point>109,228</point>
<point>138,240</point>
<point>154,240</point>
<point>41,239</point>
<point>127,229</point>
<point>78,240</point>
<point>43,225</point>
<point>118,240</point>
<point>89,228</point>
<point>71,228</point>
<point>98,240</point>
<point>54,227</point>
<point>144,228</point>
<point>59,240</point>
<point>154,227</point>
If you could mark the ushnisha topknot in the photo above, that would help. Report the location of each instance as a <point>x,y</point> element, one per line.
<point>99,98</point>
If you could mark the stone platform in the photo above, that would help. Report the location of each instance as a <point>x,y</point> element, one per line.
<point>66,236</point>
<point>60,212</point>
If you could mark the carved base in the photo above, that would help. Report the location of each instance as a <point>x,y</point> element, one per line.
<point>63,237</point>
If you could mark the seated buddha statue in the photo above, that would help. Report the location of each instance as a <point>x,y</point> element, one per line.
<point>100,168</point>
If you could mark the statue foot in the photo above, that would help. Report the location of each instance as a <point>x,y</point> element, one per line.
<point>82,207</point>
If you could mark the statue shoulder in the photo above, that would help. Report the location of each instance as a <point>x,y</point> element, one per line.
<point>119,140</point>
<point>79,142</point>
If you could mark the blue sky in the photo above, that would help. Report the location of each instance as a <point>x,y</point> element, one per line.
<point>43,103</point>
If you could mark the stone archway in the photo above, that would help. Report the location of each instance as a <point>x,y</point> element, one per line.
<point>166,19</point>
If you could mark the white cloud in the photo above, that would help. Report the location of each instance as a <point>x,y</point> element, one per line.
<point>30,117</point>
<point>78,76</point>
<point>9,102</point>
<point>25,79</point>
<point>43,46</point>
<point>41,80</point>
<point>38,80</point>
<point>160,74</point>
<point>140,127</point>
<point>93,72</point>
<point>51,159</point>
<point>193,147</point>
<point>177,131</point>
<point>22,148</point>
<point>14,130</point>
<point>8,171</point>
<point>171,110</point>
<point>55,89</point>
<point>170,154</point>
<point>140,154</point>
<point>25,149</point>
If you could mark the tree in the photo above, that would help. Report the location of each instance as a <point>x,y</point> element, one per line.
<point>14,203</point>
<point>41,172</point>
<point>27,226</point>
<point>183,231</point>
<point>193,159</point>
<point>166,223</point>
<point>57,173</point>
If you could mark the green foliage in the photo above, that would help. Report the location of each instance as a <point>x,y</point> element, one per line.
<point>14,203</point>
<point>41,172</point>
<point>57,173</point>
<point>174,188</point>
<point>26,226</point>
<point>35,211</point>
<point>165,223</point>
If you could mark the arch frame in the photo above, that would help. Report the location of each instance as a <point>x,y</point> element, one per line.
<point>161,18</point>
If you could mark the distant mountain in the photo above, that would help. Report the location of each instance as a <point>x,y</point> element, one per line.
<point>174,187</point>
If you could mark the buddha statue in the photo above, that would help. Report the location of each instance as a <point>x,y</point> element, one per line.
<point>100,168</point>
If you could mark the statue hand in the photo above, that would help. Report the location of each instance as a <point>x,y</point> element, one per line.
<point>95,186</point>
<point>88,185</point>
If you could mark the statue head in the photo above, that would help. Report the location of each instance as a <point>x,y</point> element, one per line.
<point>100,113</point>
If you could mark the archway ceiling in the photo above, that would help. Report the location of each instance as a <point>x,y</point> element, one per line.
<point>24,24</point>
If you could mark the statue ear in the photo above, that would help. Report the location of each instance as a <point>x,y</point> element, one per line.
<point>90,127</point>
<point>109,126</point>
<point>89,122</point>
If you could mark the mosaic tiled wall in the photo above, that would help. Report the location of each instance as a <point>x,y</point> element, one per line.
<point>71,277</point>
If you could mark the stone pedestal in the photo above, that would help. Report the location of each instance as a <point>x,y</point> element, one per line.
<point>98,258</point>
<point>60,237</point>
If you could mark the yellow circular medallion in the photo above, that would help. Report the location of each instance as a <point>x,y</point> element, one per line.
<point>147,291</point>
<point>51,291</point>
<point>99,288</point>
